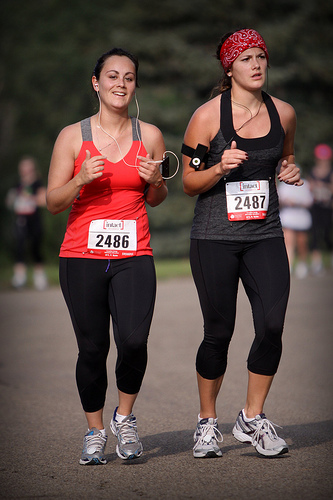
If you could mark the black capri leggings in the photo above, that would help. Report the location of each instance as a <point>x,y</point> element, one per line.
<point>94,290</point>
<point>264,270</point>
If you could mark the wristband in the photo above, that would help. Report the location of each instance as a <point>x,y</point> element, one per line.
<point>157,187</point>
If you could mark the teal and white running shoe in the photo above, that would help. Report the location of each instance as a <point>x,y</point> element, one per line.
<point>261,433</point>
<point>206,438</point>
<point>94,443</point>
<point>129,445</point>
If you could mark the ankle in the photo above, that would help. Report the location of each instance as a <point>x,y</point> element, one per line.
<point>206,414</point>
<point>250,413</point>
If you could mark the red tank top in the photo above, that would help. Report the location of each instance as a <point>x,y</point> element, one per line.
<point>108,219</point>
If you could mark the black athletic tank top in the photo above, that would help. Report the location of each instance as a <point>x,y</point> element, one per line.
<point>210,215</point>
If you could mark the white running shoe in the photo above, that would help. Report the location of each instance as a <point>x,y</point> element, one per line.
<point>301,270</point>
<point>206,438</point>
<point>19,279</point>
<point>261,433</point>
<point>129,445</point>
<point>94,443</point>
<point>40,280</point>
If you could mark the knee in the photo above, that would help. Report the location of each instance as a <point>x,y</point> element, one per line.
<point>217,335</point>
<point>134,345</point>
<point>211,361</point>
<point>264,357</point>
<point>273,330</point>
<point>94,352</point>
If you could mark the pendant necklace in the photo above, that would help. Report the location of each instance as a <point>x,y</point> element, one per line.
<point>115,140</point>
<point>109,135</point>
<point>248,109</point>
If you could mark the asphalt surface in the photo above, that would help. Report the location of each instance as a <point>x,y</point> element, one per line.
<point>42,425</point>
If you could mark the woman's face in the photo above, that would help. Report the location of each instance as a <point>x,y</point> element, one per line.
<point>117,81</point>
<point>27,171</point>
<point>249,69</point>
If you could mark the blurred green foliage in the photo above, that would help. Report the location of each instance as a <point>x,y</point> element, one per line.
<point>49,49</point>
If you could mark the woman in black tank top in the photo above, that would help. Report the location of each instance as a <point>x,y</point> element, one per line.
<point>233,145</point>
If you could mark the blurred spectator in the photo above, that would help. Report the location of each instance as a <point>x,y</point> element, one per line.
<point>321,184</point>
<point>295,203</point>
<point>25,199</point>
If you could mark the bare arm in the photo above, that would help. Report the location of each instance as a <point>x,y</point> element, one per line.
<point>201,129</point>
<point>289,172</point>
<point>41,197</point>
<point>62,187</point>
<point>148,170</point>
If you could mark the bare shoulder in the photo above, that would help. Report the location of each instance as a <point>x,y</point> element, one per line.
<point>205,121</point>
<point>67,145</point>
<point>70,133</point>
<point>285,109</point>
<point>287,115</point>
<point>152,139</point>
<point>150,131</point>
<point>207,111</point>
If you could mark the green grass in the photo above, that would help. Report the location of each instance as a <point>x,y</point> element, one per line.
<point>174,268</point>
<point>165,269</point>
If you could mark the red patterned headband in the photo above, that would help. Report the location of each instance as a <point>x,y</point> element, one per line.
<point>239,41</point>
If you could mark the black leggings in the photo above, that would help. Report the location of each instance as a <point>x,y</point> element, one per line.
<point>321,230</point>
<point>264,270</point>
<point>94,290</point>
<point>28,230</point>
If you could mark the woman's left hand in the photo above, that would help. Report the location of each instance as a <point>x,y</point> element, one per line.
<point>149,171</point>
<point>290,174</point>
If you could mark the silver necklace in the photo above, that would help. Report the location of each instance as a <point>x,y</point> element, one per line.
<point>109,135</point>
<point>117,144</point>
<point>248,109</point>
<point>101,149</point>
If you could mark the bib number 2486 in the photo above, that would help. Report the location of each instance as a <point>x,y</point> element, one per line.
<point>112,237</point>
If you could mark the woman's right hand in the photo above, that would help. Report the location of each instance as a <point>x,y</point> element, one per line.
<point>232,158</point>
<point>91,169</point>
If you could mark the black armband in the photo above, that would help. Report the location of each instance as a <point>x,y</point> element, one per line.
<point>198,155</point>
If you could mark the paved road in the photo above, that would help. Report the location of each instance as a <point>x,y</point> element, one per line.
<point>43,426</point>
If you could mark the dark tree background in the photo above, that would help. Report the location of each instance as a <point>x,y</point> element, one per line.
<point>49,49</point>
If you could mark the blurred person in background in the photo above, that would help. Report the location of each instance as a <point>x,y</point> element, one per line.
<point>25,199</point>
<point>321,185</point>
<point>295,215</point>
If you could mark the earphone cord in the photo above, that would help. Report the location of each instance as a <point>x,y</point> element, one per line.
<point>161,161</point>
<point>115,140</point>
<point>140,142</point>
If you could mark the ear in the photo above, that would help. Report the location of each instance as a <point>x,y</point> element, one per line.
<point>94,82</point>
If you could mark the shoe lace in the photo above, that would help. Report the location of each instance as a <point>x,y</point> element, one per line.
<point>95,442</point>
<point>209,431</point>
<point>127,430</point>
<point>266,426</point>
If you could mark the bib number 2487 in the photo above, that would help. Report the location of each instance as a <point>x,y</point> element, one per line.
<point>247,200</point>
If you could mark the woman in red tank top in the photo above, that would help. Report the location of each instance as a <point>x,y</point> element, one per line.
<point>107,168</point>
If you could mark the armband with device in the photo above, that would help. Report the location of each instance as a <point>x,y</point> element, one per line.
<point>198,155</point>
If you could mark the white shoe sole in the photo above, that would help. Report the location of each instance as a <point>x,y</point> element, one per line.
<point>244,438</point>
<point>241,436</point>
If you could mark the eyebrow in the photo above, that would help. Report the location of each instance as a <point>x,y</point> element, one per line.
<point>115,71</point>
